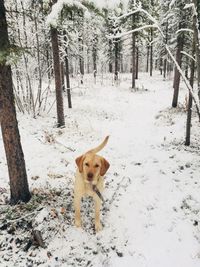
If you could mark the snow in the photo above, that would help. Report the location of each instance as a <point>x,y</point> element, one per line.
<point>188,55</point>
<point>52,18</point>
<point>194,96</point>
<point>152,187</point>
<point>119,35</point>
<point>172,3</point>
<point>184,30</point>
<point>191,5</point>
<point>108,4</point>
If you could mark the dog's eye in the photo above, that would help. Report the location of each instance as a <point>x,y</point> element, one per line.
<point>96,166</point>
<point>87,164</point>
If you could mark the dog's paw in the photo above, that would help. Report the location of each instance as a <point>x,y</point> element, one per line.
<point>98,226</point>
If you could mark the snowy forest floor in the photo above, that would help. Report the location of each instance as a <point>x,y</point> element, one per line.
<point>151,214</point>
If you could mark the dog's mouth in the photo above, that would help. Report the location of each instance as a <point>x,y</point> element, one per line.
<point>91,182</point>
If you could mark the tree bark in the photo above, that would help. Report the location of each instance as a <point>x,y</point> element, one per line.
<point>165,59</point>
<point>67,79</point>
<point>58,85</point>
<point>197,44</point>
<point>62,73</point>
<point>176,84</point>
<point>133,53</point>
<point>67,72</point>
<point>147,62</point>
<point>137,62</point>
<point>94,53</point>
<point>110,67</point>
<point>81,58</point>
<point>151,52</point>
<point>189,108</point>
<point>116,59</point>
<point>39,65</point>
<point>11,138</point>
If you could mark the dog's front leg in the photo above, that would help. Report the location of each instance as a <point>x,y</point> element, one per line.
<point>98,226</point>
<point>77,206</point>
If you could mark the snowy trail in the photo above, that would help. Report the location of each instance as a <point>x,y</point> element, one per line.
<point>152,187</point>
<point>146,211</point>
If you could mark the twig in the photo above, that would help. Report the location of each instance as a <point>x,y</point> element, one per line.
<point>22,217</point>
<point>55,141</point>
<point>69,148</point>
<point>51,106</point>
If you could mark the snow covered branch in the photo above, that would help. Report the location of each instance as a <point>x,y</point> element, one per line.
<point>129,32</point>
<point>187,55</point>
<point>184,30</point>
<point>53,17</point>
<point>195,99</point>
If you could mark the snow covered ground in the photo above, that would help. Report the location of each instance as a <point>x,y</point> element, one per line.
<point>151,215</point>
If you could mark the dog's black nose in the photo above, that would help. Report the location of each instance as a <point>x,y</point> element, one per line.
<point>90,176</point>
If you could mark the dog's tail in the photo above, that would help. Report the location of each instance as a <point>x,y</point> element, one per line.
<point>100,147</point>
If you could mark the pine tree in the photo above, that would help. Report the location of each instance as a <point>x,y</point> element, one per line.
<point>9,125</point>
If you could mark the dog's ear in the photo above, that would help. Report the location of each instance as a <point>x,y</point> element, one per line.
<point>79,162</point>
<point>104,166</point>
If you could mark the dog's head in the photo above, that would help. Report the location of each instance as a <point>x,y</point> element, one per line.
<point>92,166</point>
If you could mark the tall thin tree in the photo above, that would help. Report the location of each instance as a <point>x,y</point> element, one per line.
<point>133,53</point>
<point>57,74</point>
<point>189,105</point>
<point>11,138</point>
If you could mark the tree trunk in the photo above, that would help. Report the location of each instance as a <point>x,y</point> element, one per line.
<point>49,70</point>
<point>9,125</point>
<point>197,44</point>
<point>67,72</point>
<point>94,53</point>
<point>110,68</point>
<point>161,65</point>
<point>165,68</point>
<point>180,42</point>
<point>133,53</point>
<point>94,59</point>
<point>39,65</point>
<point>116,59</point>
<point>165,59</point>
<point>62,73</point>
<point>147,64</point>
<point>151,52</point>
<point>67,79</point>
<point>189,108</point>
<point>58,85</point>
<point>81,58</point>
<point>137,61</point>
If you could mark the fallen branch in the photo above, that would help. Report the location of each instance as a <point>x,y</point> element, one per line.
<point>69,148</point>
<point>22,217</point>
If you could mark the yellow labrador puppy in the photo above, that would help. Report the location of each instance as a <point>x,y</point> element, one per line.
<point>89,181</point>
